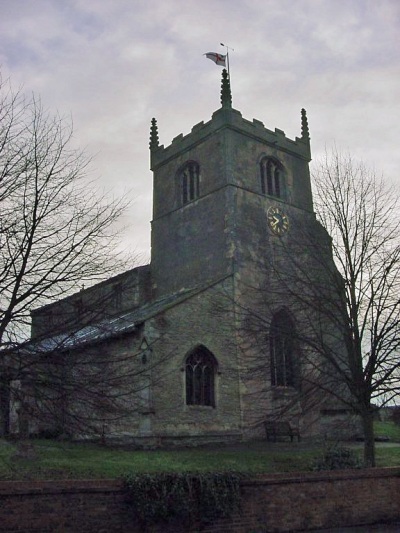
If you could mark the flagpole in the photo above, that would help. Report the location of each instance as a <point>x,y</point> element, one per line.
<point>227,60</point>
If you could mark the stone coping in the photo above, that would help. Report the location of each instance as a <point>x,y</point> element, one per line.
<point>116,485</point>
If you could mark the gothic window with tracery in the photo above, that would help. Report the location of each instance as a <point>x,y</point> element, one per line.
<point>271,177</point>
<point>200,371</point>
<point>189,176</point>
<point>281,343</point>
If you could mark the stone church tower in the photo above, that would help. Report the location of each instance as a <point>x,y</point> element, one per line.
<point>213,190</point>
<point>231,203</point>
<point>212,330</point>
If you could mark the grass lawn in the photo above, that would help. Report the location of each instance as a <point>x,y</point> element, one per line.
<point>58,459</point>
<point>388,429</point>
<point>69,460</point>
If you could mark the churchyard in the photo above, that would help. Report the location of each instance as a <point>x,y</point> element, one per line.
<point>51,459</point>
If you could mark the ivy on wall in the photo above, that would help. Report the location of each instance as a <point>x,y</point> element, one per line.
<point>188,497</point>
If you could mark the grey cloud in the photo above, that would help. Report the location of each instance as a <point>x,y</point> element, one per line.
<point>115,65</point>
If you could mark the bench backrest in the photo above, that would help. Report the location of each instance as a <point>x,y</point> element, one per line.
<point>281,426</point>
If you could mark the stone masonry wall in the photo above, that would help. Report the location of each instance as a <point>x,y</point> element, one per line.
<point>280,502</point>
<point>205,319</point>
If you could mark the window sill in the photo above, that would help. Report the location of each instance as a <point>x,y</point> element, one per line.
<point>201,407</point>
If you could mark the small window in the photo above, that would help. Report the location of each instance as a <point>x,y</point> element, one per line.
<point>200,371</point>
<point>271,177</point>
<point>281,343</point>
<point>189,177</point>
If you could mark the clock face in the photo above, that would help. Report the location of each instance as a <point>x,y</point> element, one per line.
<point>277,220</point>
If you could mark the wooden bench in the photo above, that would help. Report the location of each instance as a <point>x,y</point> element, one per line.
<point>281,428</point>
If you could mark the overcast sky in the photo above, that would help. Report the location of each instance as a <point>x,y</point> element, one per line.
<point>114,64</point>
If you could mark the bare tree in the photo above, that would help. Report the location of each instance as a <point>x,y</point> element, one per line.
<point>56,231</point>
<point>325,304</point>
<point>361,213</point>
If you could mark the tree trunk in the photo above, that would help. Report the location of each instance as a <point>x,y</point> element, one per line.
<point>4,408</point>
<point>369,439</point>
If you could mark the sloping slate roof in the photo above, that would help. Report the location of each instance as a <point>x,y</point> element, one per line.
<point>112,327</point>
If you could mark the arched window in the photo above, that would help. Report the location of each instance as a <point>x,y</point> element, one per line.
<point>271,177</point>
<point>281,343</point>
<point>200,370</point>
<point>189,179</point>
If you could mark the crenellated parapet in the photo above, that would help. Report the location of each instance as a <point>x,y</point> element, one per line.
<point>232,119</point>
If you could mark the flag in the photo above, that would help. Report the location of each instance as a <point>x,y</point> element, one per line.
<point>217,58</point>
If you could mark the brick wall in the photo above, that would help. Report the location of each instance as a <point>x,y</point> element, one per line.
<point>280,502</point>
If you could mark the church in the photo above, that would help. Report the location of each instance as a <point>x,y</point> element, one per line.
<point>207,342</point>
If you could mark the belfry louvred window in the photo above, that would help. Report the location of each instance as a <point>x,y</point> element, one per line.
<point>200,371</point>
<point>271,177</point>
<point>189,176</point>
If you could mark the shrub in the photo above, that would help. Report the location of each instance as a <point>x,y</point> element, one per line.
<point>187,497</point>
<point>337,458</point>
